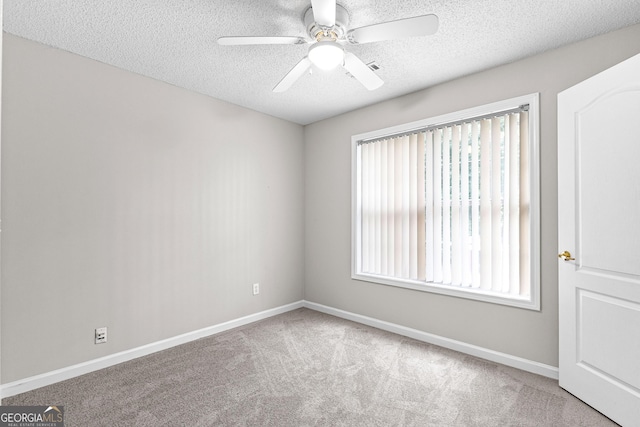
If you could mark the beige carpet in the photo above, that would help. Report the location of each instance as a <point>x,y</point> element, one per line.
<point>305,368</point>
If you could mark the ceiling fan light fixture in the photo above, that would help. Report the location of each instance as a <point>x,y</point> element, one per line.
<point>326,54</point>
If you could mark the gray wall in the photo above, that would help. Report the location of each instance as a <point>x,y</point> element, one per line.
<point>139,206</point>
<point>136,205</point>
<point>528,334</point>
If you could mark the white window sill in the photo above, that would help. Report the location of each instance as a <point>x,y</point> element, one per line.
<point>529,303</point>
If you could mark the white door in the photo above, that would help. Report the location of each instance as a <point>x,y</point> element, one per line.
<point>599,226</point>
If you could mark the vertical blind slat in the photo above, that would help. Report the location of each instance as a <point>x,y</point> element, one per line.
<point>397,246</point>
<point>496,205</point>
<point>384,208</point>
<point>429,202</point>
<point>506,201</point>
<point>420,159</point>
<point>514,205</point>
<point>413,207</point>
<point>376,203</point>
<point>475,206</point>
<point>365,247</point>
<point>406,214</point>
<point>525,204</point>
<point>391,207</point>
<point>446,205</point>
<point>456,238</point>
<point>485,204</point>
<point>465,219</point>
<point>437,207</point>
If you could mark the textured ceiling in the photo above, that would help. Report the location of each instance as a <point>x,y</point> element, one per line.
<point>175,41</point>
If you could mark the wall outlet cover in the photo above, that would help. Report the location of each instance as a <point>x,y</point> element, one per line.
<point>101,335</point>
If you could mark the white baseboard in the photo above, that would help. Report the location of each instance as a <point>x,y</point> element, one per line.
<point>48,378</point>
<point>37,381</point>
<point>481,352</point>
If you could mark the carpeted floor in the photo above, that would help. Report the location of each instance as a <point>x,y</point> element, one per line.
<point>305,368</point>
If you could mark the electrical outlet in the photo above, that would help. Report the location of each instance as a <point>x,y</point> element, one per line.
<point>256,288</point>
<point>101,335</point>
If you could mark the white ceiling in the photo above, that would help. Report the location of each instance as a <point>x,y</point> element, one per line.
<point>175,41</point>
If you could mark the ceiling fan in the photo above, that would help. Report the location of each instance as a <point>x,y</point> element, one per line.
<point>326,24</point>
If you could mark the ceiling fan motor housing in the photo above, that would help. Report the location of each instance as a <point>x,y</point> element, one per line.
<point>317,32</point>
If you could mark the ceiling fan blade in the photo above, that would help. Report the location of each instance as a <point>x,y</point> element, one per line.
<point>293,75</point>
<point>324,12</point>
<point>361,72</point>
<point>250,40</point>
<point>424,25</point>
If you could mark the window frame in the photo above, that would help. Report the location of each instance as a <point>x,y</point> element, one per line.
<point>533,301</point>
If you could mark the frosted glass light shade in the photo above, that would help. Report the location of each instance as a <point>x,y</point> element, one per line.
<point>326,55</point>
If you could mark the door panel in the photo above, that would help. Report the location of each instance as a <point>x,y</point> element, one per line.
<point>598,222</point>
<point>607,136</point>
<point>599,316</point>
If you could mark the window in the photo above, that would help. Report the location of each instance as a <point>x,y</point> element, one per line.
<point>450,204</point>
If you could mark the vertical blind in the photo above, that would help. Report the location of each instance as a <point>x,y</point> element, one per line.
<point>449,205</point>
